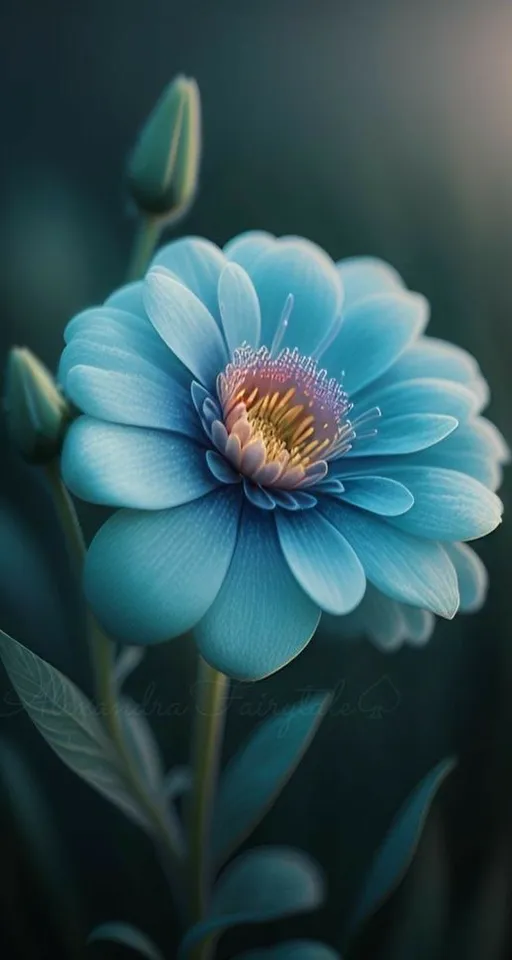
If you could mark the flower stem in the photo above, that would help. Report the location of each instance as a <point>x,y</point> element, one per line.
<point>146,239</point>
<point>102,658</point>
<point>212,688</point>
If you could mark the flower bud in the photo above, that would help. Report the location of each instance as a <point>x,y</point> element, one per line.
<point>36,412</point>
<point>163,168</point>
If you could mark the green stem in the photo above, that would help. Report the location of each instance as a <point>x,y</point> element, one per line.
<point>212,688</point>
<point>146,239</point>
<point>102,657</point>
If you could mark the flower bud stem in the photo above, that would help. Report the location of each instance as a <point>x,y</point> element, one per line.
<point>146,239</point>
<point>102,658</point>
<point>210,710</point>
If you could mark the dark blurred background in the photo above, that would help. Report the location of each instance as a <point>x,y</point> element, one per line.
<point>371,127</point>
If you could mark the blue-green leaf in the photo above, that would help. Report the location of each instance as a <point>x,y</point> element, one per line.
<point>293,950</point>
<point>258,772</point>
<point>143,746</point>
<point>396,852</point>
<point>260,885</point>
<point>69,723</point>
<point>128,936</point>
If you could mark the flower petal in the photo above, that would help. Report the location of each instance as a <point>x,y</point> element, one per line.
<point>297,267</point>
<point>406,434</point>
<point>129,467</point>
<point>402,566</point>
<point>472,576</point>
<point>247,247</point>
<point>366,276</point>
<point>377,617</point>
<point>430,357</point>
<point>185,325</point>
<point>374,333</point>
<point>425,395</point>
<point>197,264</point>
<point>419,625</point>
<point>150,576</point>
<point>448,505</point>
<point>128,298</point>
<point>138,401</point>
<point>125,331</point>
<point>261,618</point>
<point>389,498</point>
<point>239,308</point>
<point>321,560</point>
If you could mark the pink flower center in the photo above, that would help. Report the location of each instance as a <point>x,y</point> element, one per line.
<point>284,418</point>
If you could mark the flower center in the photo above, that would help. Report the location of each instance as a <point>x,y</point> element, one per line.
<point>284,418</point>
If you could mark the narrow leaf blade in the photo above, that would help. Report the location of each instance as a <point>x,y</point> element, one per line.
<point>69,723</point>
<point>394,856</point>
<point>256,775</point>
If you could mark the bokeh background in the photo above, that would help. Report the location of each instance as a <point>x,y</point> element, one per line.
<point>376,126</point>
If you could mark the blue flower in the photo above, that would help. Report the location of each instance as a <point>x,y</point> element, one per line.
<point>284,442</point>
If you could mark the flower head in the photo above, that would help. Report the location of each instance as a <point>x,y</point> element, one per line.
<point>285,442</point>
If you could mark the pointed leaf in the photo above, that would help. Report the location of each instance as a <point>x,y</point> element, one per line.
<point>394,856</point>
<point>128,936</point>
<point>69,723</point>
<point>261,885</point>
<point>144,747</point>
<point>258,772</point>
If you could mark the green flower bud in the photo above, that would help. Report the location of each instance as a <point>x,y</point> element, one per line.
<point>163,168</point>
<point>36,412</point>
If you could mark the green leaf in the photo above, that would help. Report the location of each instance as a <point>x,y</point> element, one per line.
<point>263,884</point>
<point>69,723</point>
<point>128,936</point>
<point>393,858</point>
<point>293,950</point>
<point>143,746</point>
<point>256,775</point>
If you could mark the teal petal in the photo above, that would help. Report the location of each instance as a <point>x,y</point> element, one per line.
<point>365,277</point>
<point>419,625</point>
<point>425,395</point>
<point>155,401</point>
<point>471,574</point>
<point>125,332</point>
<point>197,264</point>
<point>389,498</point>
<point>261,885</point>
<point>402,566</point>
<point>448,505</point>
<point>239,308</point>
<point>293,950</point>
<point>255,776</point>
<point>128,298</point>
<point>398,435</point>
<point>185,325</point>
<point>430,357</point>
<point>127,936</point>
<point>246,248</point>
<point>130,467</point>
<point>152,576</point>
<point>378,618</point>
<point>261,618</point>
<point>321,560</point>
<point>301,269</point>
<point>373,335</point>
